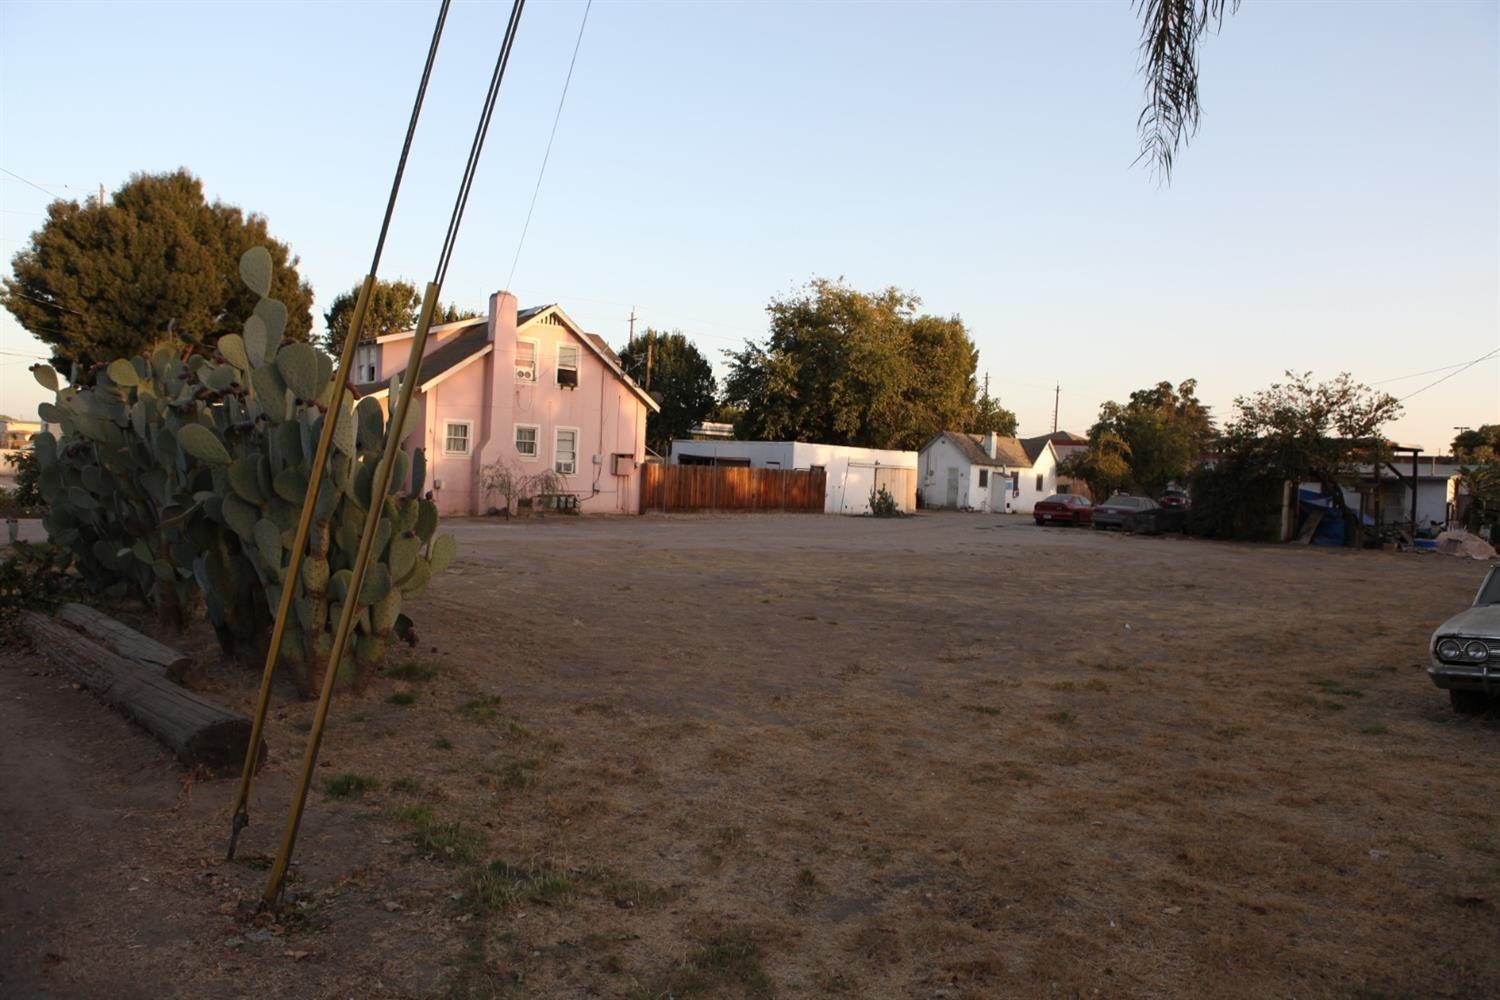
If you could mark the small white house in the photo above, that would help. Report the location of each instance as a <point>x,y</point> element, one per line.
<point>1437,491</point>
<point>988,472</point>
<point>852,472</point>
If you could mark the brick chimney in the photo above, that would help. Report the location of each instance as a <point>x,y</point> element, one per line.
<point>502,328</point>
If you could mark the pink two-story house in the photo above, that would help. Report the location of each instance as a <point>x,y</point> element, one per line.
<point>530,389</point>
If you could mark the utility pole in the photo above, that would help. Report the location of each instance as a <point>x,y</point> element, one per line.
<point>986,383</point>
<point>101,194</point>
<point>1056,394</point>
<point>631,340</point>
<point>649,344</point>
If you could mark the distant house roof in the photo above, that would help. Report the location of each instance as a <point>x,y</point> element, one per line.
<point>527,314</point>
<point>461,350</point>
<point>1060,439</point>
<point>1008,451</point>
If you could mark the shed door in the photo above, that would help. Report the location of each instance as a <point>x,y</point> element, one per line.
<point>952,487</point>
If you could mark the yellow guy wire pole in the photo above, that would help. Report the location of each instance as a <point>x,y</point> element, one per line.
<point>299,549</point>
<point>290,581</point>
<point>352,605</point>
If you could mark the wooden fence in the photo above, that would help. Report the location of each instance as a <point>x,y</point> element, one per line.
<point>681,488</point>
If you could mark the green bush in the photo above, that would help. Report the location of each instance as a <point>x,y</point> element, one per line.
<point>34,576</point>
<point>1234,500</point>
<point>883,504</point>
<point>179,478</point>
<point>25,500</point>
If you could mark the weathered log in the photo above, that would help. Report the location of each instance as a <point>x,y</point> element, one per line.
<point>126,641</point>
<point>199,732</point>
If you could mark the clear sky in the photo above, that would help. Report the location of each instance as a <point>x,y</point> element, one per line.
<point>1339,210</point>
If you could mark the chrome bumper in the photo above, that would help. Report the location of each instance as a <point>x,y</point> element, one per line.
<point>1460,677</point>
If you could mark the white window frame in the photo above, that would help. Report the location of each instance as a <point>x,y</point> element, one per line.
<point>536,442</point>
<point>468,426</point>
<point>536,360</point>
<point>557,433</point>
<point>367,356</point>
<point>574,367</point>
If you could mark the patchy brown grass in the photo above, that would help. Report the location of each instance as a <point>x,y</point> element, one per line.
<point>815,757</point>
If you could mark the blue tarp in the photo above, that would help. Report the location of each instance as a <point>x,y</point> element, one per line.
<point>1330,530</point>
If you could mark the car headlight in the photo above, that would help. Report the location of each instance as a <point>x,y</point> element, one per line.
<point>1476,651</point>
<point>1450,649</point>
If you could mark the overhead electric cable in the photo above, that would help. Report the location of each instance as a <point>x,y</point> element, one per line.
<point>32,183</point>
<point>1471,364</point>
<point>548,154</point>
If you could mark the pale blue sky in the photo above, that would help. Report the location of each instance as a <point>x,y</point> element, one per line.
<point>1339,210</point>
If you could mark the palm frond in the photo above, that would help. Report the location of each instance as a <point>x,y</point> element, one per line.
<point>1171,32</point>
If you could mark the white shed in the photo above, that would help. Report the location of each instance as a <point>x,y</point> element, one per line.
<point>852,472</point>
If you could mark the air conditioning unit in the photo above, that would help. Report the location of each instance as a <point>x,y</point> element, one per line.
<point>624,464</point>
<point>567,377</point>
<point>525,374</point>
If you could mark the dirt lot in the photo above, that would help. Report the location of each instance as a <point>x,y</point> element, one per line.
<point>948,756</point>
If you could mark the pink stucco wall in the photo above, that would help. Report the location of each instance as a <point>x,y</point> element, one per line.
<point>609,417</point>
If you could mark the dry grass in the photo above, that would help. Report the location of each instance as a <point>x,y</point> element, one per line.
<point>908,774</point>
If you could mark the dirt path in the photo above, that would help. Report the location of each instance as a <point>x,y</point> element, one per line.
<point>805,756</point>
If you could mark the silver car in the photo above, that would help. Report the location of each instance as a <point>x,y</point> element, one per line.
<point>1466,650</point>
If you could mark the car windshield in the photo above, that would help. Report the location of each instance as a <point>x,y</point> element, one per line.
<point>1058,498</point>
<point>1489,591</point>
<point>1134,503</point>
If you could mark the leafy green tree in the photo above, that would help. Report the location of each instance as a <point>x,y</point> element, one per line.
<point>992,418</point>
<point>683,376</point>
<point>1479,451</point>
<point>1482,445</point>
<point>394,306</point>
<point>1307,431</point>
<point>1164,430</point>
<point>1105,466</point>
<point>841,366</point>
<point>158,262</point>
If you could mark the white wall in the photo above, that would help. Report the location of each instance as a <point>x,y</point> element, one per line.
<point>851,472</point>
<point>1046,467</point>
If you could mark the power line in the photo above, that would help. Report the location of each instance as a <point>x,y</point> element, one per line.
<point>32,183</point>
<point>1466,367</point>
<point>1429,371</point>
<point>548,154</point>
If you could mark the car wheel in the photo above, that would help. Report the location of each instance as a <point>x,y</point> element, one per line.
<point>1469,702</point>
<point>1039,522</point>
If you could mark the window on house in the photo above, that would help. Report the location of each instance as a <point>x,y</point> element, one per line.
<point>526,360</point>
<point>565,451</point>
<point>984,478</point>
<point>1040,478</point>
<point>526,440</point>
<point>567,365</point>
<point>456,437</point>
<point>1015,483</point>
<point>366,357</point>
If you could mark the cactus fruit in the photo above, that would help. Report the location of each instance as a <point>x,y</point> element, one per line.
<point>182,480</point>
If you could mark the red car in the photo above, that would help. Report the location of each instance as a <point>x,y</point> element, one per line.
<point>1175,498</point>
<point>1064,508</point>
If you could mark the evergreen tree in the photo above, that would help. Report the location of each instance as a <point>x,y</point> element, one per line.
<point>394,306</point>
<point>102,281</point>
<point>683,377</point>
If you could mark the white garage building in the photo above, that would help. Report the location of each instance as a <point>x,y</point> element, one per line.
<point>852,472</point>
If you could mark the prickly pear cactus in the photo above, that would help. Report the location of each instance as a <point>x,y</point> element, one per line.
<point>178,478</point>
